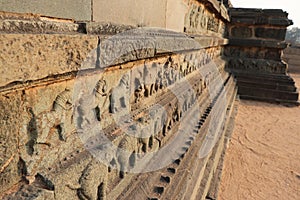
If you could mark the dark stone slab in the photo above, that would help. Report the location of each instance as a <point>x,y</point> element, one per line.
<point>253,52</point>
<point>258,43</point>
<point>241,32</point>
<point>266,85</point>
<point>267,94</point>
<point>277,34</point>
<point>274,17</point>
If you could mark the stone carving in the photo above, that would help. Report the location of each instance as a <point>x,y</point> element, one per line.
<point>168,118</point>
<point>93,181</point>
<point>55,118</point>
<point>198,19</point>
<point>126,153</point>
<point>150,74</point>
<point>184,67</point>
<point>177,112</point>
<point>139,94</point>
<point>144,134</point>
<point>156,123</point>
<point>119,98</point>
<point>100,92</point>
<point>90,106</point>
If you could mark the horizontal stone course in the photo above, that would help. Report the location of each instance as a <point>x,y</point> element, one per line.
<point>258,43</point>
<point>278,34</point>
<point>252,16</point>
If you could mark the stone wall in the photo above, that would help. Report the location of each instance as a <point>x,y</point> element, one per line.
<point>108,107</point>
<point>256,42</point>
<point>108,110</point>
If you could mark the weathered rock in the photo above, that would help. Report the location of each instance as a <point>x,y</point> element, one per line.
<point>34,57</point>
<point>11,166</point>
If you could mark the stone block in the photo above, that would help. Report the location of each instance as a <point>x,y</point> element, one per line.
<point>257,43</point>
<point>131,12</point>
<point>280,22</point>
<point>241,32</point>
<point>176,11</point>
<point>79,10</point>
<point>269,33</point>
<point>253,52</point>
<point>33,57</point>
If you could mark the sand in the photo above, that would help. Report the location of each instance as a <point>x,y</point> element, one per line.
<point>263,157</point>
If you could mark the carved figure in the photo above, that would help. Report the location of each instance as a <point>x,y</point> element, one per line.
<point>55,118</point>
<point>119,95</point>
<point>144,134</point>
<point>139,94</point>
<point>93,181</point>
<point>90,107</point>
<point>100,92</point>
<point>183,67</point>
<point>126,153</point>
<point>177,112</point>
<point>149,79</point>
<point>168,119</point>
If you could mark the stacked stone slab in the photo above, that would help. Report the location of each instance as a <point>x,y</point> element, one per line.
<point>73,93</point>
<point>291,55</point>
<point>254,55</point>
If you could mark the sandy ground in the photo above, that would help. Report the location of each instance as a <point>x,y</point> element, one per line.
<point>263,158</point>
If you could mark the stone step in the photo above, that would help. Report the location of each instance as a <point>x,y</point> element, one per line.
<point>264,76</point>
<point>256,93</point>
<point>271,100</point>
<point>268,85</point>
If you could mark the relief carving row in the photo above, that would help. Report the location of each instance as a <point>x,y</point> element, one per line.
<point>104,100</point>
<point>199,19</point>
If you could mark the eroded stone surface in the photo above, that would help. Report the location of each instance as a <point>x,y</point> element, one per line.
<point>33,57</point>
<point>10,165</point>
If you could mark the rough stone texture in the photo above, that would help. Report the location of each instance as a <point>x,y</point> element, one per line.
<point>37,27</point>
<point>241,32</point>
<point>72,9</point>
<point>33,57</point>
<point>11,166</point>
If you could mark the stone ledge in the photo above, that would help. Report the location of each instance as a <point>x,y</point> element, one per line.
<point>38,27</point>
<point>48,55</point>
<point>274,17</point>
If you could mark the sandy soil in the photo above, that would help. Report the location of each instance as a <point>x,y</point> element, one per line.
<point>263,158</point>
